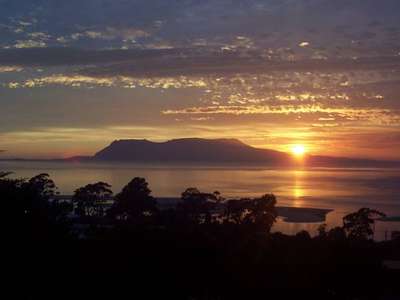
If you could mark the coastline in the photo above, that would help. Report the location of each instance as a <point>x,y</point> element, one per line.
<point>288,214</point>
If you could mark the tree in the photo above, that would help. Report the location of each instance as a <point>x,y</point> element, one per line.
<point>36,194</point>
<point>4,174</point>
<point>359,225</point>
<point>29,198</point>
<point>303,235</point>
<point>90,199</point>
<point>337,234</point>
<point>262,211</point>
<point>198,207</point>
<point>134,201</point>
<point>322,234</point>
<point>43,185</point>
<point>236,211</point>
<point>39,192</point>
<point>11,193</point>
<point>259,211</point>
<point>31,206</point>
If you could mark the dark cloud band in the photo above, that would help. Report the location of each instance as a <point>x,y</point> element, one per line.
<point>175,62</point>
<point>71,56</point>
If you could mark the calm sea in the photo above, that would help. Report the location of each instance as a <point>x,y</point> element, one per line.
<point>344,190</point>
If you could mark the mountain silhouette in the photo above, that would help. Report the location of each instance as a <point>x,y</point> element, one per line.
<point>198,150</point>
<point>188,150</point>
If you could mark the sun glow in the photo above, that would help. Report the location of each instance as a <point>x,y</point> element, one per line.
<point>298,150</point>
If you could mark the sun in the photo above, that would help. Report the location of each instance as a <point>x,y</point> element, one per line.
<point>298,150</point>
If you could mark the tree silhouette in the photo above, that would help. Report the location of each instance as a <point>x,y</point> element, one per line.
<point>134,201</point>
<point>42,186</point>
<point>36,195</point>
<point>4,174</point>
<point>199,207</point>
<point>90,199</point>
<point>335,234</point>
<point>322,234</point>
<point>262,211</point>
<point>236,211</point>
<point>47,214</point>
<point>32,206</point>
<point>13,197</point>
<point>259,211</point>
<point>359,225</point>
<point>303,235</point>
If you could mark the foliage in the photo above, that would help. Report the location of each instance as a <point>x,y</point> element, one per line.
<point>42,186</point>
<point>134,201</point>
<point>336,234</point>
<point>32,206</point>
<point>359,225</point>
<point>4,174</point>
<point>28,198</point>
<point>90,199</point>
<point>259,211</point>
<point>198,207</point>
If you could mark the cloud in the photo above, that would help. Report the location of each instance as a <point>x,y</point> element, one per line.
<point>373,115</point>
<point>20,44</point>
<point>223,64</point>
<point>112,33</point>
<point>179,61</point>
<point>77,80</point>
<point>9,69</point>
<point>71,56</point>
<point>248,24</point>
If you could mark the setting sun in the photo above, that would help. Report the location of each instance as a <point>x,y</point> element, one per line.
<point>298,150</point>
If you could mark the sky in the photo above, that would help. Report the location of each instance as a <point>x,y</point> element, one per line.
<point>76,75</point>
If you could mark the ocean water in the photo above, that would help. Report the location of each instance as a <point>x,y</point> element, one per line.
<point>340,189</point>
